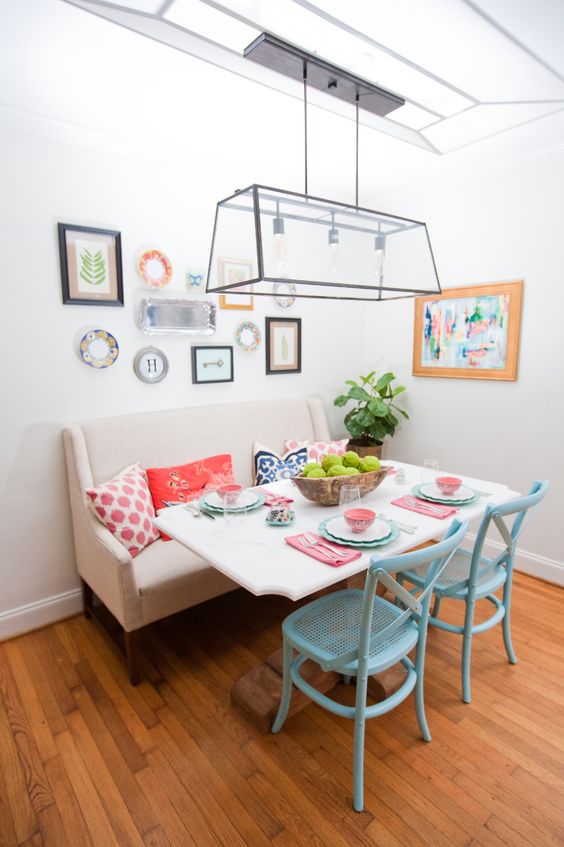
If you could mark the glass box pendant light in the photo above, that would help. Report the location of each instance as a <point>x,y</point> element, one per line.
<point>324,248</point>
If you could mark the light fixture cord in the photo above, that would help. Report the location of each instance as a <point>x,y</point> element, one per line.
<point>305,126</point>
<point>357,109</point>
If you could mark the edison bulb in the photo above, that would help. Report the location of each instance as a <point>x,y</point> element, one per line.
<point>279,254</point>
<point>378,262</point>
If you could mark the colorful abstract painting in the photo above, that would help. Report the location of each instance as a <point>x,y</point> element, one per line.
<point>468,332</point>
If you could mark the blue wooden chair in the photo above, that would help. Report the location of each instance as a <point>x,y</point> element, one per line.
<point>470,576</point>
<point>357,634</point>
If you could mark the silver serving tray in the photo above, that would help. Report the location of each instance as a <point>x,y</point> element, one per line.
<point>177,316</point>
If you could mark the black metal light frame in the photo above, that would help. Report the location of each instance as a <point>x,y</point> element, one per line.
<point>344,288</point>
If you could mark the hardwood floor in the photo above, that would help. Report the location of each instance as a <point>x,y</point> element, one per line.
<point>85,759</point>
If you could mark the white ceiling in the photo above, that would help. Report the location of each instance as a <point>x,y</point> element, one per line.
<point>468,69</point>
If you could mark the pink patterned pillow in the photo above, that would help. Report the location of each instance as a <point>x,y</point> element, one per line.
<point>125,507</point>
<point>316,450</point>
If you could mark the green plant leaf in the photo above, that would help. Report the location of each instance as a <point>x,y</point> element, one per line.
<point>398,390</point>
<point>378,408</point>
<point>401,411</point>
<point>384,381</point>
<point>350,382</point>
<point>341,400</point>
<point>392,419</point>
<point>358,393</point>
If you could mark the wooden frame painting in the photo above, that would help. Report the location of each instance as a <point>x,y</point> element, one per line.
<point>283,345</point>
<point>212,363</point>
<point>230,271</point>
<point>91,272</point>
<point>469,333</point>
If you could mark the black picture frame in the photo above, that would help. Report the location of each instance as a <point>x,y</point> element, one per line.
<point>275,353</point>
<point>100,281</point>
<point>205,356</point>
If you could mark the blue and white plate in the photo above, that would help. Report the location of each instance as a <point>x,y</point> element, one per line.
<point>428,491</point>
<point>361,545</point>
<point>99,348</point>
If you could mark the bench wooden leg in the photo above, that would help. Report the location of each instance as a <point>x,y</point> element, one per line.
<point>87,599</point>
<point>131,650</point>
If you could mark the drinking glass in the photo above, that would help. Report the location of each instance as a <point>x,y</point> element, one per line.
<point>429,470</point>
<point>234,510</point>
<point>349,498</point>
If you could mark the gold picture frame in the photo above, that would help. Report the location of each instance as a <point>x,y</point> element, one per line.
<point>470,332</point>
<point>230,270</point>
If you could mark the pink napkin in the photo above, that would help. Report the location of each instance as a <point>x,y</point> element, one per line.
<point>272,498</point>
<point>422,507</point>
<point>345,555</point>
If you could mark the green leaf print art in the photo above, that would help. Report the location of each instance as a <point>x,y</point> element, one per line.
<point>284,352</point>
<point>92,267</point>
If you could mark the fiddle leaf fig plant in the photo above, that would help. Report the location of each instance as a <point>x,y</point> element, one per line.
<point>372,418</point>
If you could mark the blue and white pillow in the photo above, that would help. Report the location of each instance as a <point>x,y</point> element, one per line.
<point>271,467</point>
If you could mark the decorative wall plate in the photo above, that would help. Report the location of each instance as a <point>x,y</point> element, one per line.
<point>284,294</point>
<point>155,268</point>
<point>99,348</point>
<point>247,336</point>
<point>150,365</point>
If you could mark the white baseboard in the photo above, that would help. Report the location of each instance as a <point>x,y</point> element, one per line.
<point>530,563</point>
<point>34,615</point>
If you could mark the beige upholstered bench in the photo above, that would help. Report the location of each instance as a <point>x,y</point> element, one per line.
<point>165,577</point>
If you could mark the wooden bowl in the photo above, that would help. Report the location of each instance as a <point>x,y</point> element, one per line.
<point>325,491</point>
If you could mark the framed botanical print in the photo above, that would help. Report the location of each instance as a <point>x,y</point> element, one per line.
<point>469,333</point>
<point>283,345</point>
<point>235,270</point>
<point>91,272</point>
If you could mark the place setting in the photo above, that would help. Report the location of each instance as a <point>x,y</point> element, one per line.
<point>342,538</point>
<point>437,496</point>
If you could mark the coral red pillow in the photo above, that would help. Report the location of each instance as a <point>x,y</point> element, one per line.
<point>124,506</point>
<point>316,450</point>
<point>187,482</point>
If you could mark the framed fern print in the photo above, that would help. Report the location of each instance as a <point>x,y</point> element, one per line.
<point>283,345</point>
<point>91,272</point>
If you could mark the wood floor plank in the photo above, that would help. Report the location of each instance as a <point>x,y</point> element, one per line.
<point>71,814</point>
<point>102,776</point>
<point>13,782</point>
<point>30,701</point>
<point>36,782</point>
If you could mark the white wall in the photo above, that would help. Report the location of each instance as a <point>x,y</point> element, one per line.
<point>490,224</point>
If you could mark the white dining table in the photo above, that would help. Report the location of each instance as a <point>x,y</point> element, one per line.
<point>255,555</point>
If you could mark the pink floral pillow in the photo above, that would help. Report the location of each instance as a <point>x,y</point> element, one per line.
<point>125,507</point>
<point>316,450</point>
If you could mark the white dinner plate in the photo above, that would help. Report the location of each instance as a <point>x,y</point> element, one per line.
<point>340,531</point>
<point>431,490</point>
<point>250,498</point>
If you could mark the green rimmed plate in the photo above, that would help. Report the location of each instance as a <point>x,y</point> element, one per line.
<point>445,501</point>
<point>218,510</point>
<point>361,545</point>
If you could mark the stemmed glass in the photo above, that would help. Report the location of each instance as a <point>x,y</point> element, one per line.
<point>429,470</point>
<point>234,509</point>
<point>349,498</point>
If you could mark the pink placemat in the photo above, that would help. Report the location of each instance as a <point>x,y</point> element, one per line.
<point>422,507</point>
<point>345,554</point>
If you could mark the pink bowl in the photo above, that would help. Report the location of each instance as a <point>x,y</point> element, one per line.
<point>229,492</point>
<point>448,485</point>
<point>359,519</point>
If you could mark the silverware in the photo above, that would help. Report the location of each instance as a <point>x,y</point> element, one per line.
<point>411,501</point>
<point>197,512</point>
<point>405,527</point>
<point>307,540</point>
